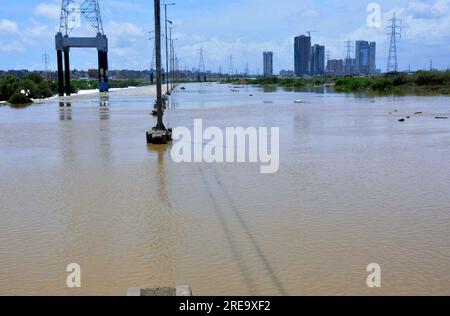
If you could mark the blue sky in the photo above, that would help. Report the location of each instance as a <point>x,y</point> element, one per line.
<point>244,28</point>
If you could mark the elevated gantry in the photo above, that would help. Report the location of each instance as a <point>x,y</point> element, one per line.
<point>71,13</point>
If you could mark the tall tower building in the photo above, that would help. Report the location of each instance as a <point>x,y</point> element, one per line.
<point>372,57</point>
<point>302,55</point>
<point>365,55</point>
<point>317,60</point>
<point>268,64</point>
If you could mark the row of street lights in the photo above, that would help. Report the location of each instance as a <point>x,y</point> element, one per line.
<point>160,134</point>
<point>167,43</point>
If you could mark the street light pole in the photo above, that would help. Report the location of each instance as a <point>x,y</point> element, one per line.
<point>159,134</point>
<point>170,58</point>
<point>167,45</point>
<point>174,68</point>
<point>160,124</point>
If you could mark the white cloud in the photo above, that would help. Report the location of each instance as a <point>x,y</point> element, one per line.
<point>126,43</point>
<point>124,31</point>
<point>310,13</point>
<point>8,27</point>
<point>48,10</point>
<point>11,47</point>
<point>441,8</point>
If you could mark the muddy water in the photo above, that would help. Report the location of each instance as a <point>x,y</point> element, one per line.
<point>355,186</point>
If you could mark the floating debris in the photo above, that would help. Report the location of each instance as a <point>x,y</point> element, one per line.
<point>402,120</point>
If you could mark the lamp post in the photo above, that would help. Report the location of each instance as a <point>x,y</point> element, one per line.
<point>167,44</point>
<point>172,60</point>
<point>159,134</point>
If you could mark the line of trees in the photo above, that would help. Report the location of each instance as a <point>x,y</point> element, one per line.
<point>438,82</point>
<point>23,90</point>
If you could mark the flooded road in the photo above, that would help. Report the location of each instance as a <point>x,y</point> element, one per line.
<point>355,186</point>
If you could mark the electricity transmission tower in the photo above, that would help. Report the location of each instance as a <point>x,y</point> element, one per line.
<point>201,64</point>
<point>231,69</point>
<point>328,61</point>
<point>348,58</point>
<point>394,32</point>
<point>72,11</point>
<point>45,61</point>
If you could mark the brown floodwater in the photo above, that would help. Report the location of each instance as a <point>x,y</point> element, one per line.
<point>355,186</point>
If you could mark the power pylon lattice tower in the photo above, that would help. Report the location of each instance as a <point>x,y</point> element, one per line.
<point>349,47</point>
<point>72,14</point>
<point>231,69</point>
<point>394,32</point>
<point>45,62</point>
<point>72,11</point>
<point>348,59</point>
<point>201,63</point>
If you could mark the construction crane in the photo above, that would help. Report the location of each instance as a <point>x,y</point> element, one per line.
<point>309,32</point>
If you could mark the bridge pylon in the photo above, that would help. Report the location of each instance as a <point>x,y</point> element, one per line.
<point>72,12</point>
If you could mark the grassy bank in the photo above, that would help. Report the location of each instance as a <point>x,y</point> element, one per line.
<point>421,82</point>
<point>23,90</point>
<point>283,82</point>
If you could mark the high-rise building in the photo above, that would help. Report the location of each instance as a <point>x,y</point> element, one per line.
<point>335,67</point>
<point>302,55</point>
<point>317,60</point>
<point>372,57</point>
<point>349,66</point>
<point>365,57</point>
<point>268,64</point>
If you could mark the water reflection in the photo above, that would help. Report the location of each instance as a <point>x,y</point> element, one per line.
<point>104,113</point>
<point>166,220</point>
<point>65,111</point>
<point>104,100</point>
<point>270,88</point>
<point>160,150</point>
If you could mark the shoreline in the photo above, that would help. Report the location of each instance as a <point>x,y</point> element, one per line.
<point>419,83</point>
<point>142,91</point>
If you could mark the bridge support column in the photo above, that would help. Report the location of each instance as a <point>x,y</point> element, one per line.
<point>103,77</point>
<point>67,71</point>
<point>60,73</point>
<point>106,67</point>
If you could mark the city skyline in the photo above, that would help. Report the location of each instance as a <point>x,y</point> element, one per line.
<point>268,64</point>
<point>27,32</point>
